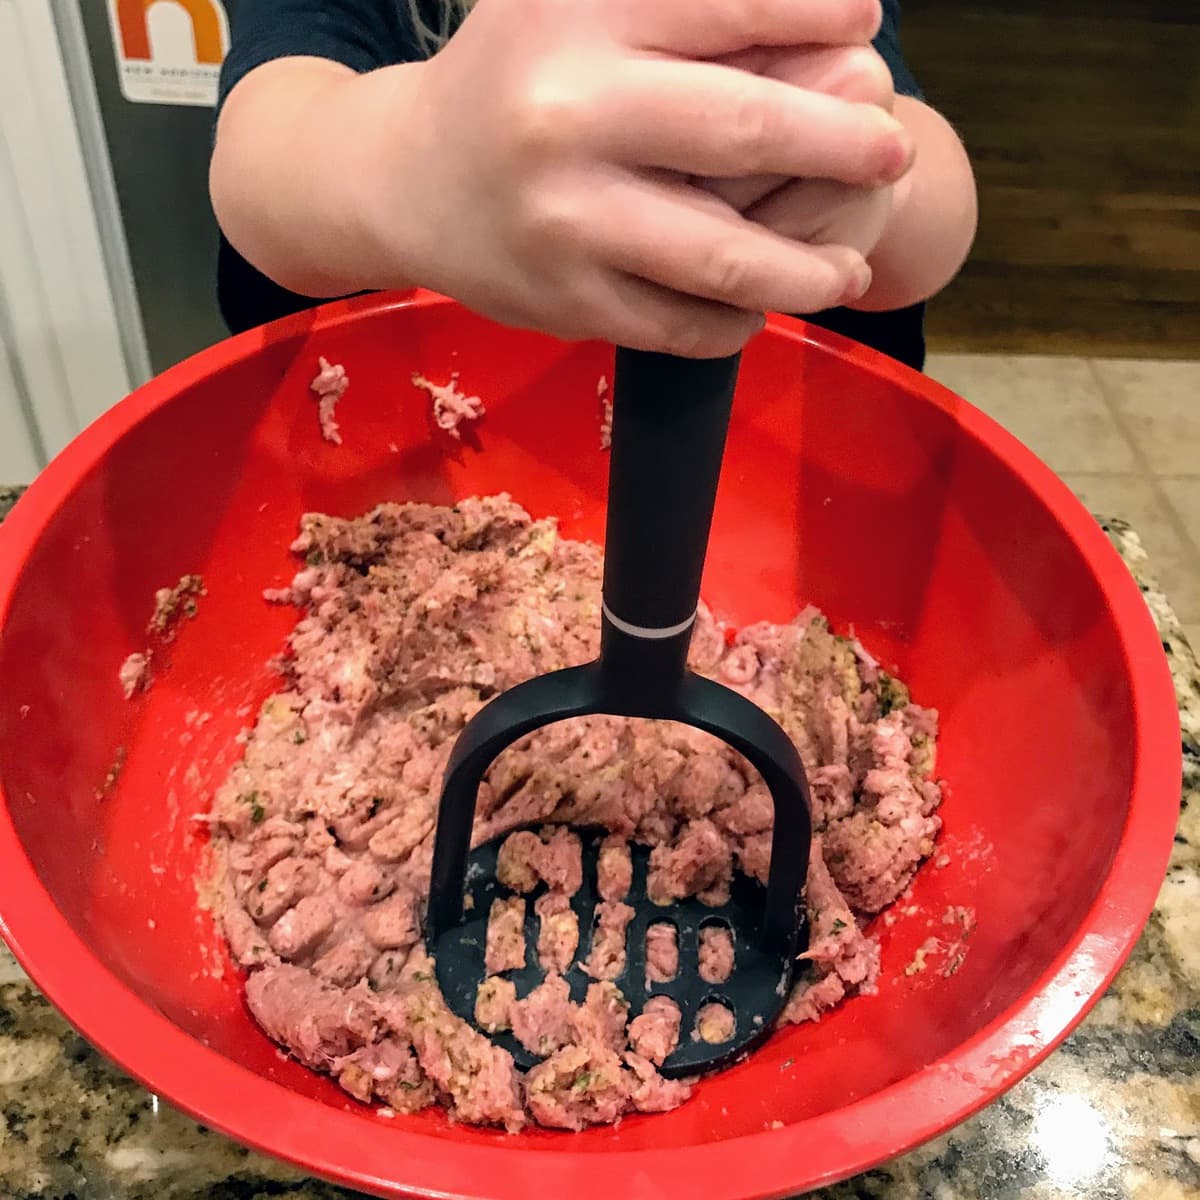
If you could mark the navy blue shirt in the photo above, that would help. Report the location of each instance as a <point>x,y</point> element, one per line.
<point>365,34</point>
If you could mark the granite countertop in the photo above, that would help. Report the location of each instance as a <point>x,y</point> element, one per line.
<point>1112,1115</point>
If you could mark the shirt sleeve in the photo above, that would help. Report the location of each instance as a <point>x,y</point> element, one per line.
<point>887,44</point>
<point>361,34</point>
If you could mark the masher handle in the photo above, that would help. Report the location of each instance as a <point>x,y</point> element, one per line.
<point>670,420</point>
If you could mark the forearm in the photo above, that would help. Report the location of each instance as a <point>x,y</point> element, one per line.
<point>290,189</point>
<point>933,219</point>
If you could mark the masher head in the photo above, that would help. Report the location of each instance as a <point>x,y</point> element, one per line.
<point>766,926</point>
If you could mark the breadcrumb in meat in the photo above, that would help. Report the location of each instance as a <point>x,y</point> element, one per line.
<point>715,1024</point>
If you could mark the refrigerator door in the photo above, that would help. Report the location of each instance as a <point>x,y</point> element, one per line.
<point>154,68</point>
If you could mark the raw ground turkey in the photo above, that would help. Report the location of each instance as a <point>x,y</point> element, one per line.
<point>412,617</point>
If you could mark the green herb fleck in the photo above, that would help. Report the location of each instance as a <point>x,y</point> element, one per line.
<point>892,694</point>
<point>583,1082</point>
<point>262,885</point>
<point>257,812</point>
<point>376,805</point>
<point>315,557</point>
<point>409,1087</point>
<point>422,977</point>
<point>249,797</point>
<point>299,737</point>
<point>839,925</point>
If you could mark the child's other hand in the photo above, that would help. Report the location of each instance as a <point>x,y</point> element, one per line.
<point>817,210</point>
<point>556,143</point>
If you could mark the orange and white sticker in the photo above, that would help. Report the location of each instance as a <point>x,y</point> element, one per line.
<point>169,51</point>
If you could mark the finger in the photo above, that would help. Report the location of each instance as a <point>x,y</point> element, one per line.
<point>685,240</point>
<point>820,212</point>
<point>710,120</point>
<point>856,73</point>
<point>646,316</point>
<point>707,28</point>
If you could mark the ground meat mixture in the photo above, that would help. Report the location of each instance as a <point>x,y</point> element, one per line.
<point>451,406</point>
<point>714,1024</point>
<point>607,959</point>
<point>412,617</point>
<point>506,936</point>
<point>494,1004</point>
<point>614,869</point>
<point>329,386</point>
<point>662,953</point>
<point>654,1032</point>
<point>171,604</point>
<point>716,954</point>
<point>542,1022</point>
<point>558,931</point>
<point>134,674</point>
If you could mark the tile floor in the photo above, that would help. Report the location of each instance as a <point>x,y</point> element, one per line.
<point>1125,434</point>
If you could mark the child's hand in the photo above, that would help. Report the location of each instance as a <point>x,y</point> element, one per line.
<point>556,140</point>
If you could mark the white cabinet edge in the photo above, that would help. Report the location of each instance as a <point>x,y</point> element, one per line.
<point>62,320</point>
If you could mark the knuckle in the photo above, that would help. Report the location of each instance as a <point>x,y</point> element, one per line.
<point>684,336</point>
<point>727,273</point>
<point>845,270</point>
<point>549,116</point>
<point>551,217</point>
<point>753,131</point>
<point>883,145</point>
<point>867,77</point>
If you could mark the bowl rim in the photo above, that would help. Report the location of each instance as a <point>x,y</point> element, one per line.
<point>343,1147</point>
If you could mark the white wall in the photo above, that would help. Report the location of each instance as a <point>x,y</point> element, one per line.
<point>20,452</point>
<point>61,361</point>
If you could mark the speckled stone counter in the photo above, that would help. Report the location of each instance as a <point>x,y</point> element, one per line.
<point>1114,1114</point>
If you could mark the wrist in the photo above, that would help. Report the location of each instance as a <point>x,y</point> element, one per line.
<point>368,160</point>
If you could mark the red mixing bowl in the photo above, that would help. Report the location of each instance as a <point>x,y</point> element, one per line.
<point>851,482</point>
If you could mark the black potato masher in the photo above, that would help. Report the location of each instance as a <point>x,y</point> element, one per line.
<point>670,420</point>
